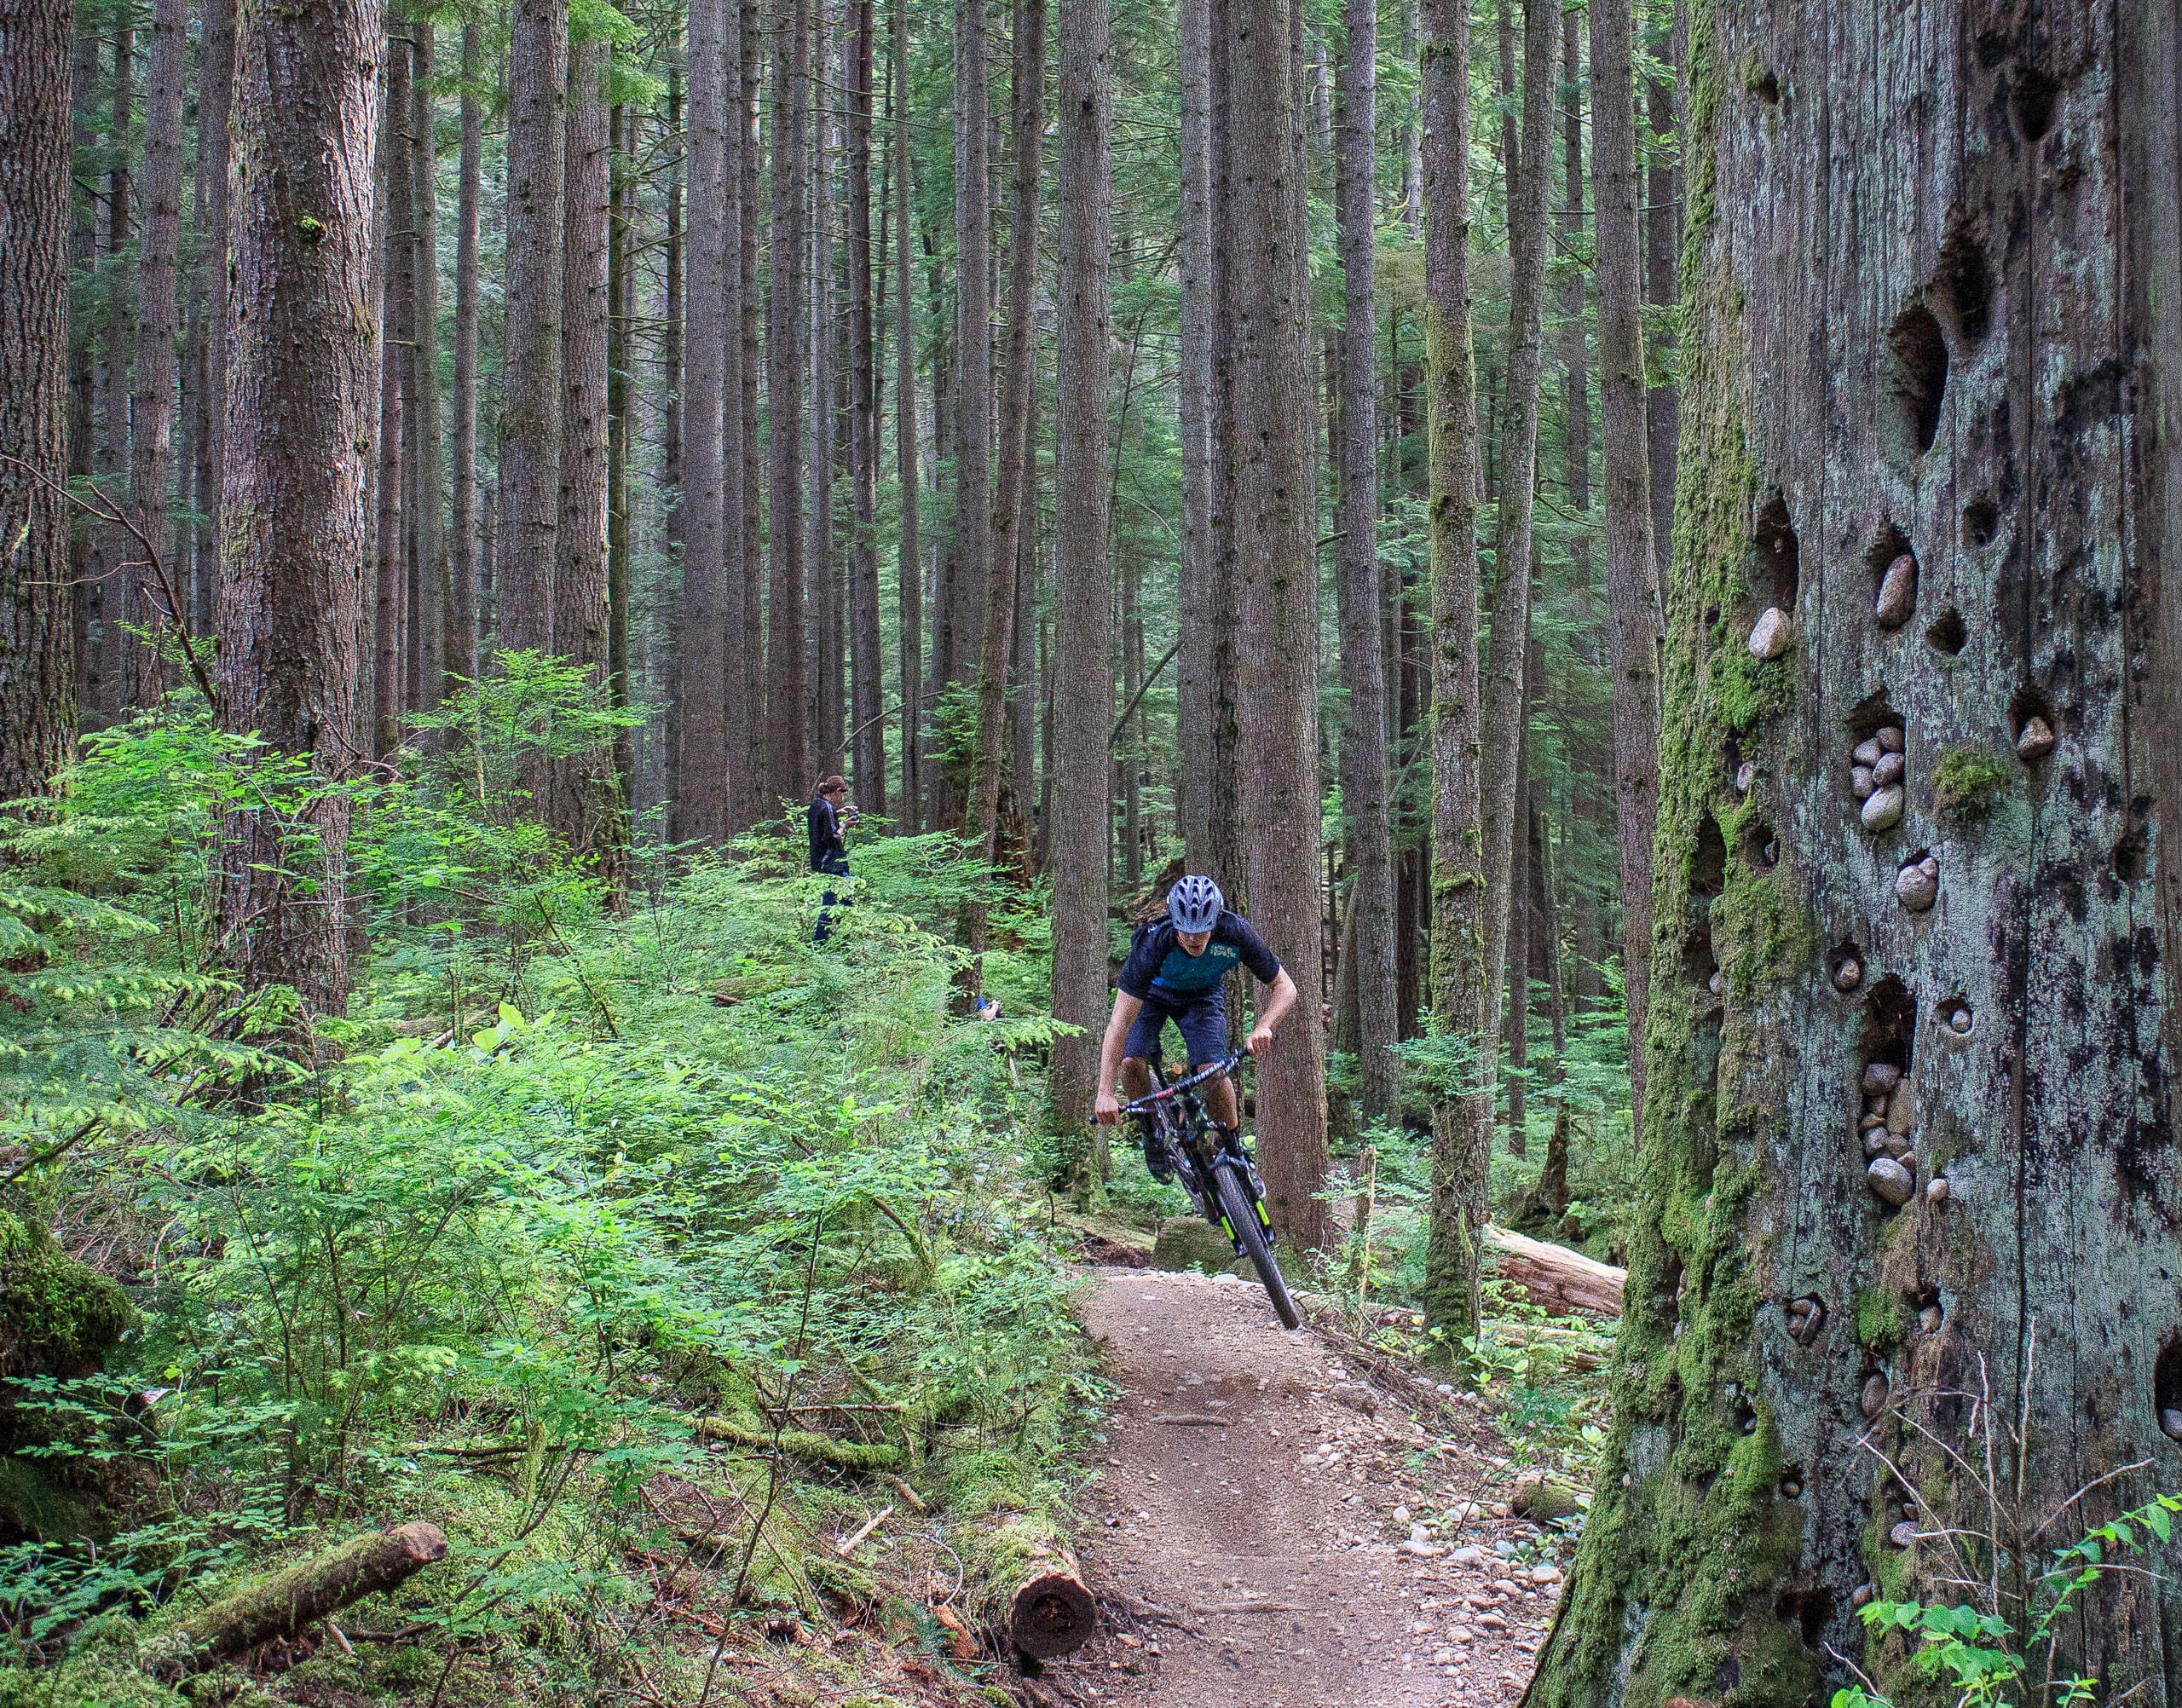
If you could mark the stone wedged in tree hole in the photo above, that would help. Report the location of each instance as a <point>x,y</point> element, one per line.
<point>1890,1180</point>
<point>1873,1399</point>
<point>1899,1147</point>
<point>1903,1534</point>
<point>1890,769</point>
<point>1806,1319</point>
<point>2170,1422</point>
<point>1848,972</point>
<point>1882,810</point>
<point>1875,1140</point>
<point>1931,1318</point>
<point>2035,742</point>
<point>1888,737</point>
<point>1897,592</point>
<point>1917,885</point>
<point>1792,1488</point>
<point>1861,783</point>
<point>1862,1595</point>
<point>1772,635</point>
<point>1936,1192</point>
<point>1959,1019</point>
<point>1745,775</point>
<point>1880,1078</point>
<point>1867,752</point>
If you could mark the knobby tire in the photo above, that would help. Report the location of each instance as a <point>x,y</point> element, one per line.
<point>1243,1222</point>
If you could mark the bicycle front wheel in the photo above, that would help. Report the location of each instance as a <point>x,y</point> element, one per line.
<point>1245,1217</point>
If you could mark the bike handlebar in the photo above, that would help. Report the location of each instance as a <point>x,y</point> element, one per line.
<point>1210,1071</point>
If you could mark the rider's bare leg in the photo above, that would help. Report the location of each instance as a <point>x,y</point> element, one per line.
<point>1136,1078</point>
<point>1220,1098</point>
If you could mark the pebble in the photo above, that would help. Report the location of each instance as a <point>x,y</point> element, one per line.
<point>1545,1574</point>
<point>1875,1399</point>
<point>1745,775</point>
<point>1506,1586</point>
<point>1929,1318</point>
<point>1470,1553</point>
<point>1936,1192</point>
<point>1717,982</point>
<point>1917,888</point>
<point>1790,1489</point>
<point>1960,1021</point>
<point>1401,1514</point>
<point>1863,1595</point>
<point>1883,808</point>
<point>1867,752</point>
<point>1880,1078</point>
<point>1848,974</point>
<point>1897,592</point>
<point>1860,782</point>
<point>1889,738</point>
<point>1875,1137</point>
<point>1890,769</point>
<point>1903,1534</point>
<point>2170,1422</point>
<point>1493,1622</point>
<point>2035,742</point>
<point>1771,635</point>
<point>1890,1180</point>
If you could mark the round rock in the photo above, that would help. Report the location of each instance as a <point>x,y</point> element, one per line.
<point>1866,752</point>
<point>1897,592</point>
<point>1936,1192</point>
<point>2035,742</point>
<point>1745,775</point>
<point>1863,1595</point>
<point>1771,635</point>
<point>1883,808</point>
<point>2170,1422</point>
<point>1860,782</point>
<point>1929,1318</point>
<point>1874,1396</point>
<point>1879,1079</point>
<point>1890,1180</point>
<point>1890,769</point>
<point>1889,738</point>
<point>1960,1021</point>
<point>1915,888</point>
<point>1903,1534</point>
<point>1875,1140</point>
<point>1848,974</point>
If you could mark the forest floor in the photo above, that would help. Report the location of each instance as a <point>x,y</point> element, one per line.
<point>1249,1533</point>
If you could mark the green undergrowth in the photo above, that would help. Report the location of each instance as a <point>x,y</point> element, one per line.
<point>640,1244</point>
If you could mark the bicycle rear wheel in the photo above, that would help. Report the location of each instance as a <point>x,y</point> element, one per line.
<point>1245,1217</point>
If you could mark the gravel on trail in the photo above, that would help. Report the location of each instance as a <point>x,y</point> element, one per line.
<point>1269,1529</point>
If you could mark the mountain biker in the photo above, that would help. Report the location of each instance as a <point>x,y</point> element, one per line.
<point>1173,972</point>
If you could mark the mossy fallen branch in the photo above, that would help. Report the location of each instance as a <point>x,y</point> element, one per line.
<point>806,1444</point>
<point>305,1593</point>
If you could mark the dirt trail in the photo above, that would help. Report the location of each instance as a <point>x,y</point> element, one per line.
<point>1245,1537</point>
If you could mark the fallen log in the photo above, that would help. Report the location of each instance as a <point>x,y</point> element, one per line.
<point>1555,1278</point>
<point>806,1444</point>
<point>1038,1591</point>
<point>311,1590</point>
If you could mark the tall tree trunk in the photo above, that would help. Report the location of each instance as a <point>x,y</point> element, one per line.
<point>1456,1215</point>
<point>430,617</point>
<point>867,671</point>
<point>1662,255</point>
<point>787,693</point>
<point>746,687</point>
<point>300,380</point>
<point>1364,744</point>
<point>581,810</point>
<point>1084,682</point>
<point>530,366</point>
<point>112,549</point>
<point>711,688</point>
<point>1276,626</point>
<point>1551,1195</point>
<point>1632,589</point>
<point>972,578</point>
<point>1515,1007</point>
<point>1223,860</point>
<point>1195,785</point>
<point>158,329</point>
<point>1980,375</point>
<point>824,634</point>
<point>37,710</point>
<point>84,591</point>
<point>461,641</point>
<point>997,644</point>
<point>909,562</point>
<point>668,630</point>
<point>207,380</point>
<point>1575,360</point>
<point>397,338</point>
<point>620,429</point>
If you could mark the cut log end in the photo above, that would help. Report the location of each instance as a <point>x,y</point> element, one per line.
<point>1052,1613</point>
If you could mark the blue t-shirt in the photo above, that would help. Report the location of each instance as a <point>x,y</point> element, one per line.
<point>1158,965</point>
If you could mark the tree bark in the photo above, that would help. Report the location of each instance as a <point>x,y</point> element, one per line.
<point>788,771</point>
<point>1456,1216</point>
<point>1552,1191</point>
<point>1195,786</point>
<point>745,686</point>
<point>292,525</point>
<point>997,644</point>
<point>867,672</point>
<point>153,415</point>
<point>430,617</point>
<point>908,564</point>
<point>1083,683</point>
<point>667,629</point>
<point>37,710</point>
<point>397,339</point>
<point>823,720</point>
<point>461,642</point>
<point>621,428</point>
<point>207,380</point>
<point>582,808</point>
<point>1276,626</point>
<point>310,1590</point>
<point>1364,746</point>
<point>1632,592</point>
<point>530,366</point>
<point>1978,372</point>
<point>1516,1008</point>
<point>83,592</point>
<point>1662,256</point>
<point>113,547</point>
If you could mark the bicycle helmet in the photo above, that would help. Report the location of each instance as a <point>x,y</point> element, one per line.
<point>1194,904</point>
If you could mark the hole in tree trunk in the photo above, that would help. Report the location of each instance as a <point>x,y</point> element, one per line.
<point>1917,377</point>
<point>1981,520</point>
<point>1779,558</point>
<point>1949,633</point>
<point>2033,97</point>
<point>1844,965</point>
<point>1708,862</point>
<point>1966,280</point>
<point>1766,86</point>
<point>2167,1388</point>
<point>1870,716</point>
<point>1889,1033</point>
<point>1761,848</point>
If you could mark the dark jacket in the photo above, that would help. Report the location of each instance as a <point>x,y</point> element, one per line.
<point>829,853</point>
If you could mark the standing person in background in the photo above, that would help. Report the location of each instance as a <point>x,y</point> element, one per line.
<point>829,853</point>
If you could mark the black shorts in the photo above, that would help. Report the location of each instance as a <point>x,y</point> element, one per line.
<point>1201,1020</point>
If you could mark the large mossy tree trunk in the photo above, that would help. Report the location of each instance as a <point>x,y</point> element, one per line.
<point>1931,266</point>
